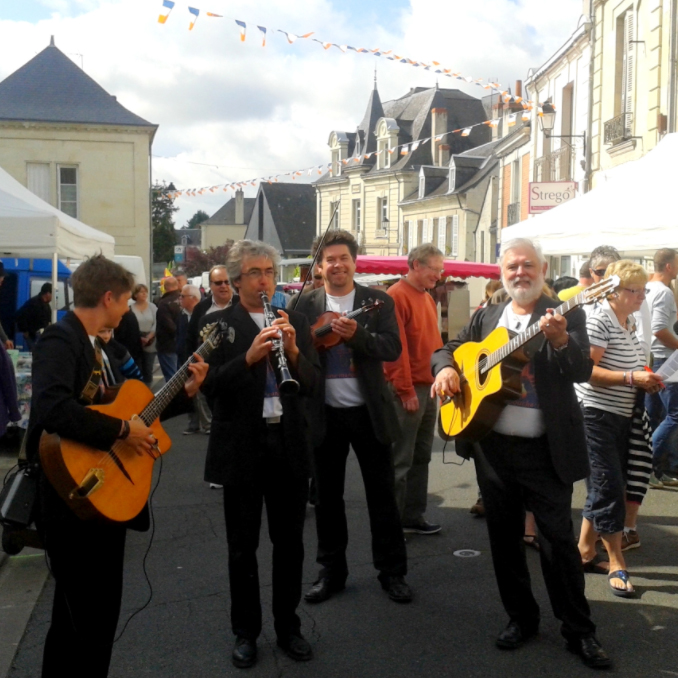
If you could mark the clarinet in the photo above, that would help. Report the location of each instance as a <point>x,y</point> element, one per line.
<point>286,384</point>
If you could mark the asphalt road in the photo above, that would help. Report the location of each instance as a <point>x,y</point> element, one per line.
<point>448,630</point>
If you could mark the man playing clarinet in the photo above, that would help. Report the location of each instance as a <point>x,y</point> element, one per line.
<point>258,448</point>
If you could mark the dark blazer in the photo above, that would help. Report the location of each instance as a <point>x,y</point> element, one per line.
<point>376,340</point>
<point>192,333</point>
<point>555,374</point>
<point>236,395</point>
<point>167,318</point>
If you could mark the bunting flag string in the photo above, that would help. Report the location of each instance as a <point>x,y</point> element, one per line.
<point>196,13</point>
<point>402,150</point>
<point>432,66</point>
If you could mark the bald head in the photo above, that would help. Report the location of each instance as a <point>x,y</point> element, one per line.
<point>171,284</point>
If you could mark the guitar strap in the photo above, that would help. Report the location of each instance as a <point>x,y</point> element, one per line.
<point>93,386</point>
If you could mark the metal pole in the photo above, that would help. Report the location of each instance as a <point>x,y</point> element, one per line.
<point>55,283</point>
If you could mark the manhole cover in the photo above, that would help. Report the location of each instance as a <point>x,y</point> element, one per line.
<point>466,553</point>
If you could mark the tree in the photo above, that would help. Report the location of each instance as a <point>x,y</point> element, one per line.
<point>162,211</point>
<point>198,261</point>
<point>197,219</point>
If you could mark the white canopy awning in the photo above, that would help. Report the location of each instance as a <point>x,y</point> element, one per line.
<point>32,228</point>
<point>634,211</point>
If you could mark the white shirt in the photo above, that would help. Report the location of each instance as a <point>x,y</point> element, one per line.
<point>341,385</point>
<point>272,404</point>
<point>522,417</point>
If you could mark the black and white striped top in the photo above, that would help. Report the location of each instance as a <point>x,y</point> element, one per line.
<point>623,353</point>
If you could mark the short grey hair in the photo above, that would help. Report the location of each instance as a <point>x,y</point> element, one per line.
<point>192,290</point>
<point>248,248</point>
<point>517,243</point>
<point>216,267</point>
<point>603,256</point>
<point>422,253</point>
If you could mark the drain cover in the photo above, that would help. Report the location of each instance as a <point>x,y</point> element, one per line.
<point>466,553</point>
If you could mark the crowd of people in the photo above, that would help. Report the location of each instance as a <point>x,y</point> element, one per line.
<point>375,388</point>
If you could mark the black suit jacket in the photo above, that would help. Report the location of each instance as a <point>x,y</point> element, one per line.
<point>376,340</point>
<point>555,374</point>
<point>236,395</point>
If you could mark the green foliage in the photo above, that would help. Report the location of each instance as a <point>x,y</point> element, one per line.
<point>197,219</point>
<point>162,211</point>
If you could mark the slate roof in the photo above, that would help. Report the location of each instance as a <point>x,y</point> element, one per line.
<point>225,216</point>
<point>293,208</point>
<point>51,88</point>
<point>412,112</point>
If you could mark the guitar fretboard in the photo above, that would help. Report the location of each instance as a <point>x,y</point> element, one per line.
<point>532,331</point>
<point>166,394</point>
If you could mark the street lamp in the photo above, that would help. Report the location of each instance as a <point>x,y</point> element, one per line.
<point>547,121</point>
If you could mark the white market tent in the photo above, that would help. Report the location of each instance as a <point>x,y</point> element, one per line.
<point>634,210</point>
<point>32,228</point>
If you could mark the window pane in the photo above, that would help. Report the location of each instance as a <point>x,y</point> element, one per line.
<point>70,208</point>
<point>68,175</point>
<point>69,193</point>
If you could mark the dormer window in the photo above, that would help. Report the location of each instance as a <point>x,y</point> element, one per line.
<point>422,186</point>
<point>387,139</point>
<point>453,178</point>
<point>338,143</point>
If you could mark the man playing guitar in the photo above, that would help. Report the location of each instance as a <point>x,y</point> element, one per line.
<point>533,454</point>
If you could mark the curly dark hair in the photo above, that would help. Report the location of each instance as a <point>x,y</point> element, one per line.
<point>335,237</point>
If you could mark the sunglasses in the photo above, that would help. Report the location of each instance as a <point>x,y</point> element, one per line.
<point>599,271</point>
<point>219,283</point>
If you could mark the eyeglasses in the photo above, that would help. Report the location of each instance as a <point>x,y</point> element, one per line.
<point>599,271</point>
<point>439,271</point>
<point>258,273</point>
<point>640,290</point>
<point>219,283</point>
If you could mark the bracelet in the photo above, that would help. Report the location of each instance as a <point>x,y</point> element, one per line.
<point>631,379</point>
<point>124,430</point>
<point>624,382</point>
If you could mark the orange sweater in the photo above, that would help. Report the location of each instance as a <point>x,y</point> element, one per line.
<point>418,324</point>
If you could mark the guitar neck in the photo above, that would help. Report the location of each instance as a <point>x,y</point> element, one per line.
<point>167,393</point>
<point>532,331</point>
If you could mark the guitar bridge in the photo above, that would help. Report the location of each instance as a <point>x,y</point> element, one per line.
<point>91,483</point>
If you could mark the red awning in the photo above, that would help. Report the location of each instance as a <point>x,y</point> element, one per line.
<point>457,269</point>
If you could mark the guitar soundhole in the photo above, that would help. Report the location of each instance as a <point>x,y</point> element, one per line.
<point>482,375</point>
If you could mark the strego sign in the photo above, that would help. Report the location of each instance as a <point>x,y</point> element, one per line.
<point>545,195</point>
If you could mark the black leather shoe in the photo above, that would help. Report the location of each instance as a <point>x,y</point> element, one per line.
<point>322,590</point>
<point>244,653</point>
<point>397,589</point>
<point>513,636</point>
<point>296,647</point>
<point>590,651</point>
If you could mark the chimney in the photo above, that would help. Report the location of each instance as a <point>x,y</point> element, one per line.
<point>440,150</point>
<point>519,88</point>
<point>239,207</point>
<point>51,41</point>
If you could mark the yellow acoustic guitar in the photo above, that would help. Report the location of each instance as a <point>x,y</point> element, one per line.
<point>490,372</point>
<point>115,484</point>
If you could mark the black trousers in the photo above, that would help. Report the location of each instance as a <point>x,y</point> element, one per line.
<point>346,427</point>
<point>86,559</point>
<point>285,495</point>
<point>514,473</point>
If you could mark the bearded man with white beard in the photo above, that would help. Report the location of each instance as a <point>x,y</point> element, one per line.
<point>534,453</point>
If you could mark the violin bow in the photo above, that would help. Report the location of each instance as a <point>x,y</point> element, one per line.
<point>295,301</point>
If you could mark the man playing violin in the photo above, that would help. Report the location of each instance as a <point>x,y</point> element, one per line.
<point>259,449</point>
<point>355,410</point>
<point>533,454</point>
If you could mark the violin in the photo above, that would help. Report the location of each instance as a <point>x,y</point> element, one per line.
<point>323,336</point>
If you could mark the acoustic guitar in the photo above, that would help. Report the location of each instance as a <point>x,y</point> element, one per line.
<point>490,372</point>
<point>114,484</point>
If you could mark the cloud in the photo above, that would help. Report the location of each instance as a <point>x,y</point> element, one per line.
<point>253,111</point>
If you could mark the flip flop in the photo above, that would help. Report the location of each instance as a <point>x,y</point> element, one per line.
<point>595,565</point>
<point>624,576</point>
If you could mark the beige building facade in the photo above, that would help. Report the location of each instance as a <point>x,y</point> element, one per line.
<point>72,144</point>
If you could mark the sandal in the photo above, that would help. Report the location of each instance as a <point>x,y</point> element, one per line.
<point>595,565</point>
<point>624,576</point>
<point>532,541</point>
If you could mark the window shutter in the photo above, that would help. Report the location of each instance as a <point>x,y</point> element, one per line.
<point>455,235</point>
<point>413,236</point>
<point>628,72</point>
<point>37,176</point>
<point>442,228</point>
<point>424,232</point>
<point>435,236</point>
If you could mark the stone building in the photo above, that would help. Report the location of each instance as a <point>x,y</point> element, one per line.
<point>375,169</point>
<point>227,223</point>
<point>72,144</point>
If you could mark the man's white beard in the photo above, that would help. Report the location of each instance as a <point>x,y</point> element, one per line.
<point>524,295</point>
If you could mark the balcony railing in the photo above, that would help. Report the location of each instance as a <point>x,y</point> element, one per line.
<point>618,129</point>
<point>513,213</point>
<point>556,166</point>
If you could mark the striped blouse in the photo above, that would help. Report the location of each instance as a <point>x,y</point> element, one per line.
<point>623,353</point>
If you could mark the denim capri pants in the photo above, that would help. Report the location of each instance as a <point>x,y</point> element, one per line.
<point>607,437</point>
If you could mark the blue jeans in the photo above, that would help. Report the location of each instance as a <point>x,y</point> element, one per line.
<point>168,364</point>
<point>665,436</point>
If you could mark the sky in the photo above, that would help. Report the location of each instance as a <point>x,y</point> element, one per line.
<point>229,110</point>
